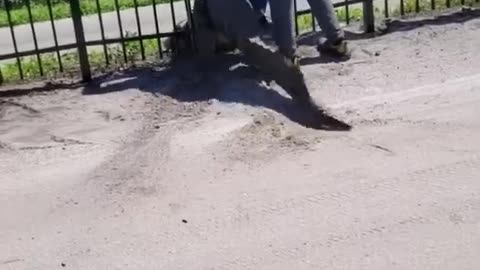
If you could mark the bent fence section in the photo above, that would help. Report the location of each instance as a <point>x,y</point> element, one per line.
<point>50,38</point>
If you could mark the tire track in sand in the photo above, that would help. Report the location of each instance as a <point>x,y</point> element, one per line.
<point>258,213</point>
<point>436,214</point>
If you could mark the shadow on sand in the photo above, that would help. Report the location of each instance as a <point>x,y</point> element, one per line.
<point>224,80</point>
<point>186,81</point>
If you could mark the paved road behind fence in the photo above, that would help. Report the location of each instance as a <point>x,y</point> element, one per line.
<point>91,24</point>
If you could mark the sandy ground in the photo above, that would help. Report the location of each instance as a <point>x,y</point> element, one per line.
<point>169,170</point>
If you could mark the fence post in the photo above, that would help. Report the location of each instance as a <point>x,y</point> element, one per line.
<point>80,37</point>
<point>368,16</point>
<point>191,25</point>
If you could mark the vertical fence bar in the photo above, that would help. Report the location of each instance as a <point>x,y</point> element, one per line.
<point>80,37</point>
<point>157,29</point>
<point>14,40</point>
<point>174,19</point>
<point>191,25</point>
<point>368,16</point>
<point>139,29</point>
<point>54,31</point>
<point>448,3</point>
<point>295,10</point>
<point>34,34</point>
<point>120,27</point>
<point>402,7</point>
<point>314,26</point>
<point>433,4</point>
<point>417,6</point>
<point>102,31</point>
<point>387,11</point>
<point>462,2</point>
<point>1,76</point>
<point>347,12</point>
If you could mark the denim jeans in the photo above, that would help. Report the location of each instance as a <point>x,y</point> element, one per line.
<point>324,12</point>
<point>321,9</point>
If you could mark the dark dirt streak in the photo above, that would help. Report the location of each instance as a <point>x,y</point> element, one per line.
<point>67,141</point>
<point>23,106</point>
<point>27,89</point>
<point>12,261</point>
<point>381,148</point>
<point>4,145</point>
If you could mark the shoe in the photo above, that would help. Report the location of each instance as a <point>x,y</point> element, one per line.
<point>293,60</point>
<point>338,48</point>
<point>296,61</point>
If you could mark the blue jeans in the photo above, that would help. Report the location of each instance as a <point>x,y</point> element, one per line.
<point>321,9</point>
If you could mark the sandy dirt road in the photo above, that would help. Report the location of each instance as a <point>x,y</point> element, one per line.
<point>166,171</point>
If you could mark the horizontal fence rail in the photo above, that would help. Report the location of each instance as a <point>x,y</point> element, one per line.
<point>125,36</point>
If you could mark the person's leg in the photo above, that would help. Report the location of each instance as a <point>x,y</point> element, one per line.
<point>327,20</point>
<point>205,35</point>
<point>324,12</point>
<point>283,26</point>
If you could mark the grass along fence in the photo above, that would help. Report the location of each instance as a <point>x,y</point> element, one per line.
<point>71,63</point>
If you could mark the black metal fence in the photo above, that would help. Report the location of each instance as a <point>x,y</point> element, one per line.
<point>85,54</point>
<point>80,51</point>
